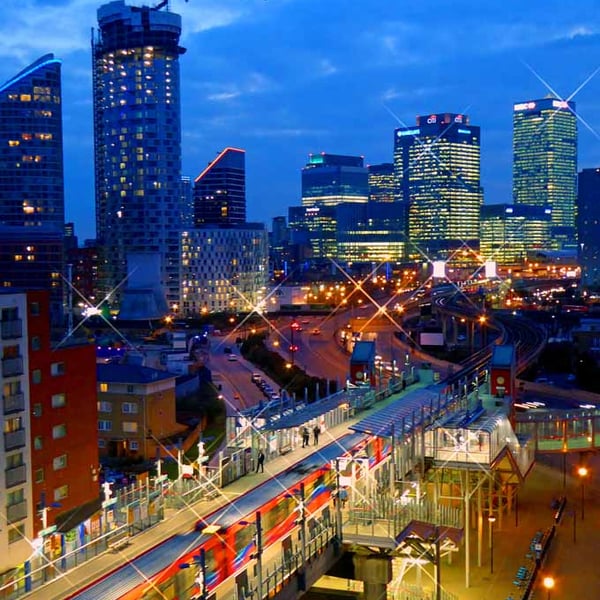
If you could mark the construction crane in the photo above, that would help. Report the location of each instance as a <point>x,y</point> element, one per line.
<point>162,4</point>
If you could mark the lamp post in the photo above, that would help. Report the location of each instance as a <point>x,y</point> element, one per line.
<point>549,585</point>
<point>293,327</point>
<point>198,560</point>
<point>582,472</point>
<point>259,550</point>
<point>491,520</point>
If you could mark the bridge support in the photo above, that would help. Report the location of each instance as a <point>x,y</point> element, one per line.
<point>375,571</point>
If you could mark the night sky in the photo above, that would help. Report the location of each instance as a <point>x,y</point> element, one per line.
<point>282,78</point>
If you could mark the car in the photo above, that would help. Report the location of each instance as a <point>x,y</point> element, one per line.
<point>231,357</point>
<point>316,331</point>
<point>275,396</point>
<point>305,322</point>
<point>255,377</point>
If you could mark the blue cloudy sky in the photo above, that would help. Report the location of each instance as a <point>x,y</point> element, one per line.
<point>282,78</point>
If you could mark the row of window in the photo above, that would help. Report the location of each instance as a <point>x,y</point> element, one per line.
<point>126,407</point>
<point>133,444</point>
<point>127,426</point>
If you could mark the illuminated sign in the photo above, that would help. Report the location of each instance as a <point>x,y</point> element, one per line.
<point>439,268</point>
<point>409,132</point>
<point>560,104</point>
<point>432,119</point>
<point>509,210</point>
<point>313,209</point>
<point>524,106</point>
<point>467,131</point>
<point>490,269</point>
<point>458,119</point>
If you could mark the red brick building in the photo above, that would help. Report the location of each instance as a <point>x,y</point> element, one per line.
<point>63,418</point>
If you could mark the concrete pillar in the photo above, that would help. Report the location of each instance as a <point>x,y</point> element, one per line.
<point>375,572</point>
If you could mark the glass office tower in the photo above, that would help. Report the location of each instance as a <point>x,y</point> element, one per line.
<point>588,227</point>
<point>382,182</point>
<point>545,163</point>
<point>437,172</point>
<point>137,139</point>
<point>32,205</point>
<point>220,190</point>
<point>329,179</point>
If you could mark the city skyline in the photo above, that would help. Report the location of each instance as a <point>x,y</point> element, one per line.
<point>290,84</point>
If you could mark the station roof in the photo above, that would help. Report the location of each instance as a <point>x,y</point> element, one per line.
<point>363,352</point>
<point>503,355</point>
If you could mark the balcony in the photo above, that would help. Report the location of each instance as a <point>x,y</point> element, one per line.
<point>16,512</point>
<point>13,403</point>
<point>11,330</point>
<point>12,367</point>
<point>14,439</point>
<point>15,476</point>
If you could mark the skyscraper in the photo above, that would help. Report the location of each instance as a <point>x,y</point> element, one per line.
<point>220,190</point>
<point>437,171</point>
<point>382,182</point>
<point>32,211</point>
<point>588,227</point>
<point>137,139</point>
<point>545,163</point>
<point>329,179</point>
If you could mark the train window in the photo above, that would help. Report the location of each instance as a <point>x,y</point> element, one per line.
<point>277,513</point>
<point>243,540</point>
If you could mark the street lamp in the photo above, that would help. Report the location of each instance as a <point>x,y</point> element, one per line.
<point>259,550</point>
<point>198,560</point>
<point>548,584</point>
<point>491,520</point>
<point>582,472</point>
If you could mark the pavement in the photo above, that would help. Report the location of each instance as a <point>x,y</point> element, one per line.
<point>571,563</point>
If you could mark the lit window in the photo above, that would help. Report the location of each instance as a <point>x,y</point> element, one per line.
<point>59,400</point>
<point>61,492</point>
<point>130,427</point>
<point>104,387</point>
<point>59,431</point>
<point>59,462</point>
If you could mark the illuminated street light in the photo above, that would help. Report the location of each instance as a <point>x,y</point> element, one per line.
<point>549,585</point>
<point>583,473</point>
<point>491,520</point>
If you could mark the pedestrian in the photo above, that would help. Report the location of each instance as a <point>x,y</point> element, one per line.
<point>343,497</point>
<point>316,432</point>
<point>305,437</point>
<point>260,462</point>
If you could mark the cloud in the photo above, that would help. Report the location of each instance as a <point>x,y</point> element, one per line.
<point>253,83</point>
<point>285,132</point>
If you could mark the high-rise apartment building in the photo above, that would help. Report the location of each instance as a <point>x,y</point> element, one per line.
<point>382,186</point>
<point>220,190</point>
<point>545,163</point>
<point>588,227</point>
<point>437,171</point>
<point>49,451</point>
<point>329,179</point>
<point>32,207</point>
<point>137,139</point>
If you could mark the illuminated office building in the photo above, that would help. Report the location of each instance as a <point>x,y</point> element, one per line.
<point>220,190</point>
<point>32,207</point>
<point>369,233</point>
<point>381,182</point>
<point>319,226</point>
<point>545,163</point>
<point>588,227</point>
<point>437,172</point>
<point>509,231</point>
<point>137,139</point>
<point>329,179</point>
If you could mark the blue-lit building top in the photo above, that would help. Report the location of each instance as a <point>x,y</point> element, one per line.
<point>329,179</point>
<point>437,173</point>
<point>509,231</point>
<point>137,139</point>
<point>220,190</point>
<point>31,147</point>
<point>588,227</point>
<point>545,162</point>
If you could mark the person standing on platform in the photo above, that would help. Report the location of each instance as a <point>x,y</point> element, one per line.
<point>260,462</point>
<point>316,432</point>
<point>305,437</point>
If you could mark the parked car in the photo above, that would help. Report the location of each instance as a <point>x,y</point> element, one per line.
<point>231,357</point>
